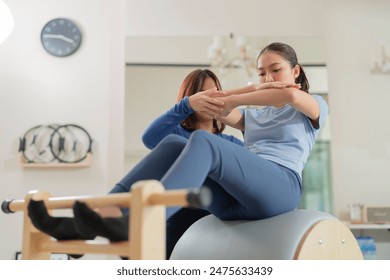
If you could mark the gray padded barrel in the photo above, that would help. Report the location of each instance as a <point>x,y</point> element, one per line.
<point>275,238</point>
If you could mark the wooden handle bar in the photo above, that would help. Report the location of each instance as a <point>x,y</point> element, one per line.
<point>196,198</point>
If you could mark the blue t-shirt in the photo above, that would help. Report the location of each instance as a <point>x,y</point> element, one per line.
<point>169,123</point>
<point>282,135</point>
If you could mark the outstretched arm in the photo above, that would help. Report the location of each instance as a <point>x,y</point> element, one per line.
<point>254,87</point>
<point>277,97</point>
<point>249,95</point>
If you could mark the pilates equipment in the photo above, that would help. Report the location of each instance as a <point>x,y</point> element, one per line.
<point>296,235</point>
<point>299,234</point>
<point>147,223</point>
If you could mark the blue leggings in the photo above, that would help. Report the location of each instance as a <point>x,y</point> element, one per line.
<point>244,185</point>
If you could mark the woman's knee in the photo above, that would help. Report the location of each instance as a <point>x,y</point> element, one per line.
<point>173,140</point>
<point>200,133</point>
<point>203,137</point>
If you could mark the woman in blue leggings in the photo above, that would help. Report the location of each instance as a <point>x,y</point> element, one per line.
<point>244,185</point>
<point>263,178</point>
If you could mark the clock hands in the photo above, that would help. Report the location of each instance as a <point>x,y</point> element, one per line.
<point>59,36</point>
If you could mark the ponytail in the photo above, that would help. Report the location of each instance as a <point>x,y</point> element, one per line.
<point>302,79</point>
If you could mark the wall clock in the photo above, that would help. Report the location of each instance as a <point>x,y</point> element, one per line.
<point>61,37</point>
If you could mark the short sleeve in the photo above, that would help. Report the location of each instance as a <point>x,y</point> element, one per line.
<point>324,110</point>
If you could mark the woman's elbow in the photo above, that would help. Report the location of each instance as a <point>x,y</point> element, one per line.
<point>148,141</point>
<point>292,95</point>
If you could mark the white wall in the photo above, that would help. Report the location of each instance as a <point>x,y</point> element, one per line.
<point>222,17</point>
<point>359,102</point>
<point>86,88</point>
<point>190,49</point>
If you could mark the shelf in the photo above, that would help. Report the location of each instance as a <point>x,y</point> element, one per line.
<point>366,226</point>
<point>85,163</point>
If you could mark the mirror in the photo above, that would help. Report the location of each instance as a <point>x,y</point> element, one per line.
<point>156,67</point>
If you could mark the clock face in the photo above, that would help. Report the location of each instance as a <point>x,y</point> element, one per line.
<point>61,37</point>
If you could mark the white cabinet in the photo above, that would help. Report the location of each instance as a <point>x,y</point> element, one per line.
<point>380,233</point>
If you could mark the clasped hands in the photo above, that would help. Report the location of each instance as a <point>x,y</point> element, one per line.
<point>215,103</point>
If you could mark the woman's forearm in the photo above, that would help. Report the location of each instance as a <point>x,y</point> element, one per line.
<point>300,100</point>
<point>262,86</point>
<point>241,90</point>
<point>265,97</point>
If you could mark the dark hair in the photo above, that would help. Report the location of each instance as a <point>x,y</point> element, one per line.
<point>192,84</point>
<point>289,55</point>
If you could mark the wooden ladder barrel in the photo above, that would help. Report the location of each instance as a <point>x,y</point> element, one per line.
<point>147,221</point>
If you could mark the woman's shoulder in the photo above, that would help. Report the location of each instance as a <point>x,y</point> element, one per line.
<point>320,99</point>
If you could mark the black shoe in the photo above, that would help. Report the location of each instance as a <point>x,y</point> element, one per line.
<point>88,221</point>
<point>61,228</point>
